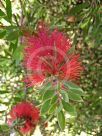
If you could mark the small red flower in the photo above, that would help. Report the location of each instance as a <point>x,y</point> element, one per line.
<point>46,54</point>
<point>24,116</point>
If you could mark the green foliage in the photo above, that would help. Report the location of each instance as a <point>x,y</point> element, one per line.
<point>82,21</point>
<point>61,120</point>
<point>73,87</point>
<point>74,96</point>
<point>52,108</point>
<point>2,14</point>
<point>65,95</point>
<point>69,108</point>
<point>48,94</point>
<point>45,107</point>
<point>9,10</point>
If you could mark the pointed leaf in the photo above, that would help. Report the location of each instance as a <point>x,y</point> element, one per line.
<point>61,120</point>
<point>69,108</point>
<point>65,95</point>
<point>52,108</point>
<point>73,96</point>
<point>45,107</point>
<point>9,10</point>
<point>48,94</point>
<point>54,99</point>
<point>44,89</point>
<point>59,108</point>
<point>74,87</point>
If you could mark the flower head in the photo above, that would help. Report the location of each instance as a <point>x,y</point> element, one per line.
<point>24,116</point>
<point>46,54</point>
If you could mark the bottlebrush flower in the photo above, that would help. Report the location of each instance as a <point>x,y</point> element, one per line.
<point>46,54</point>
<point>24,116</point>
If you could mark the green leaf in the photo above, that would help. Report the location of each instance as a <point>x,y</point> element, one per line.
<point>45,87</point>
<point>69,108</point>
<point>2,33</point>
<point>71,50</point>
<point>52,108</point>
<point>75,10</point>
<point>73,87</point>
<point>13,45</point>
<point>54,99</point>
<point>73,96</point>
<point>13,35</point>
<point>85,23</point>
<point>59,108</point>
<point>48,94</point>
<point>3,92</point>
<point>9,10</point>
<point>65,95</point>
<point>17,99</point>
<point>4,127</point>
<point>18,54</point>
<point>45,107</point>
<point>2,13</point>
<point>61,120</point>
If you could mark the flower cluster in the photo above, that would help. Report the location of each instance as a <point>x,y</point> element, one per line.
<point>24,116</point>
<point>46,54</point>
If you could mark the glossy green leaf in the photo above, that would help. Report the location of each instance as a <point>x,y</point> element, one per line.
<point>54,99</point>
<point>9,10</point>
<point>61,120</point>
<point>59,108</point>
<point>73,96</point>
<point>52,108</point>
<point>69,108</point>
<point>65,95</point>
<point>48,94</point>
<point>45,87</point>
<point>73,87</point>
<point>45,107</point>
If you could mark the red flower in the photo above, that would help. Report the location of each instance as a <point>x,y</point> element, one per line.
<point>25,116</point>
<point>46,54</point>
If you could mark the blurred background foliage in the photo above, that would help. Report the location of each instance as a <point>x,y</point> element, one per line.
<point>82,21</point>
